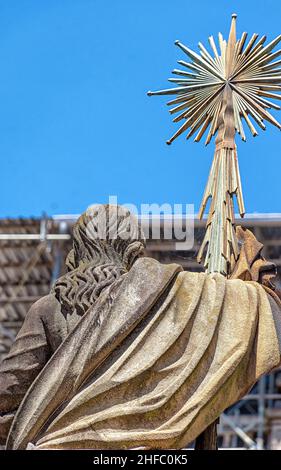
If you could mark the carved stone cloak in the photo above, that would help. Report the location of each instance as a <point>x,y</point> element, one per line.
<point>155,367</point>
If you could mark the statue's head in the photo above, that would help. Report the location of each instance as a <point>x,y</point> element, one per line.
<point>107,239</point>
<point>106,234</point>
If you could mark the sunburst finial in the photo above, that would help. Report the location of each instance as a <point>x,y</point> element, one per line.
<point>216,93</point>
<point>249,71</point>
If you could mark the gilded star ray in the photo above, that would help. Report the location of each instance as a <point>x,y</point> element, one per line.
<point>252,74</point>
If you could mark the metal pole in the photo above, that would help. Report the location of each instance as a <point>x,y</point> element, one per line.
<point>34,236</point>
<point>261,413</point>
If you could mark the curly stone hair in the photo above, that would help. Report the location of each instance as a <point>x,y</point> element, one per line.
<point>107,240</point>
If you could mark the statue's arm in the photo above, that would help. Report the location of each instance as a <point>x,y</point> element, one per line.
<point>28,355</point>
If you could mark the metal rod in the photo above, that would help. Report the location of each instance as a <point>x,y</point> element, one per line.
<point>34,236</point>
<point>261,414</point>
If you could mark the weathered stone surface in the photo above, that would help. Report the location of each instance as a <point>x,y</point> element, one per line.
<point>153,359</point>
<point>148,373</point>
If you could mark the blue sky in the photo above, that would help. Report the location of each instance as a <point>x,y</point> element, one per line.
<point>75,122</point>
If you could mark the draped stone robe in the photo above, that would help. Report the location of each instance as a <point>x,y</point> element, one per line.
<point>151,364</point>
<point>153,367</point>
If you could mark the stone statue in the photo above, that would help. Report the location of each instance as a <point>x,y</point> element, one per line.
<point>129,353</point>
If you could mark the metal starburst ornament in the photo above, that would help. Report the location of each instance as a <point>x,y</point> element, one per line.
<point>215,95</point>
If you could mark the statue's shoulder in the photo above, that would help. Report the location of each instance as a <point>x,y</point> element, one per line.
<point>44,306</point>
<point>145,262</point>
<point>150,267</point>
